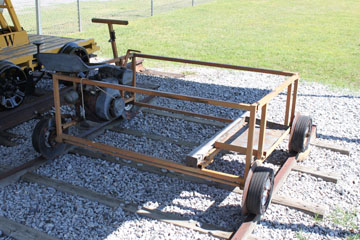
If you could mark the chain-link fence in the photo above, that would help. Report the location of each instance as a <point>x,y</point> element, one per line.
<point>61,17</point>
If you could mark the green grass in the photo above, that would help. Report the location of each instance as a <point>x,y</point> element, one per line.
<point>348,220</point>
<point>299,235</point>
<point>319,39</point>
<point>62,18</point>
<point>345,218</point>
<point>317,218</point>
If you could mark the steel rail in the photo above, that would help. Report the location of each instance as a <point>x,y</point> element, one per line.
<point>246,228</point>
<point>27,111</point>
<point>22,167</point>
<point>38,161</point>
<point>251,220</point>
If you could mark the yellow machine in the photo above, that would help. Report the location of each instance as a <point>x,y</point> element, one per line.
<point>11,36</point>
<point>18,52</point>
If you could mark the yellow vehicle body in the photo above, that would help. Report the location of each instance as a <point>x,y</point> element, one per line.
<point>18,56</point>
<point>17,46</point>
<point>24,55</point>
<point>11,35</point>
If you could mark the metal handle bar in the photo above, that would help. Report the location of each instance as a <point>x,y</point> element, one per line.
<point>109,21</point>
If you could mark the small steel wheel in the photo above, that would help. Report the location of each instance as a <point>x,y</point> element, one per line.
<point>13,83</point>
<point>43,139</point>
<point>300,134</point>
<point>260,190</point>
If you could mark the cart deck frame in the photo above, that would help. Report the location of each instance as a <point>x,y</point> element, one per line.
<point>207,151</point>
<point>25,55</point>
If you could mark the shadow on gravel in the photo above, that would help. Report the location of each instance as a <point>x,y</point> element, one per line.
<point>330,137</point>
<point>181,197</point>
<point>278,157</point>
<point>229,162</point>
<point>233,163</point>
<point>324,96</point>
<point>222,210</point>
<point>206,90</point>
<point>302,228</point>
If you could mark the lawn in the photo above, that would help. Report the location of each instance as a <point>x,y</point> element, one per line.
<point>319,39</point>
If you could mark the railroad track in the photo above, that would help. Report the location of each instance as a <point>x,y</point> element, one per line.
<point>33,107</point>
<point>25,172</point>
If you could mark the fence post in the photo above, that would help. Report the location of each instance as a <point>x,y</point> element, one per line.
<point>79,15</point>
<point>38,17</point>
<point>193,2</point>
<point>152,7</point>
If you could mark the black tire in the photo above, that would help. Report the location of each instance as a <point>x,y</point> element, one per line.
<point>43,139</point>
<point>260,190</point>
<point>300,139</point>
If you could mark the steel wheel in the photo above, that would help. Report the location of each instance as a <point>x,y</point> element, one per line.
<point>12,85</point>
<point>260,190</point>
<point>43,139</point>
<point>300,134</point>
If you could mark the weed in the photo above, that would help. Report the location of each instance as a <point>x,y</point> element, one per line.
<point>348,220</point>
<point>317,218</point>
<point>299,235</point>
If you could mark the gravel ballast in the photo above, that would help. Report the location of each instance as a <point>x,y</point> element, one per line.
<point>335,112</point>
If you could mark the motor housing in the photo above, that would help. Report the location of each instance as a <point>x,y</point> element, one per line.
<point>124,75</point>
<point>103,104</point>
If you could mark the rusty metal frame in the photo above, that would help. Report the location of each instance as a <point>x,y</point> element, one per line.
<point>217,176</point>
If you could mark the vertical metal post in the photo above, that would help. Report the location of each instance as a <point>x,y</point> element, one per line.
<point>152,7</point>
<point>79,15</point>
<point>38,17</point>
<point>262,133</point>
<point>250,141</point>
<point>57,108</point>
<point>133,67</point>
<point>288,102</point>
<point>296,83</point>
<point>193,3</point>
<point>112,40</point>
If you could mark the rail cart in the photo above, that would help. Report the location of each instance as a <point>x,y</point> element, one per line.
<point>109,91</point>
<point>18,51</point>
